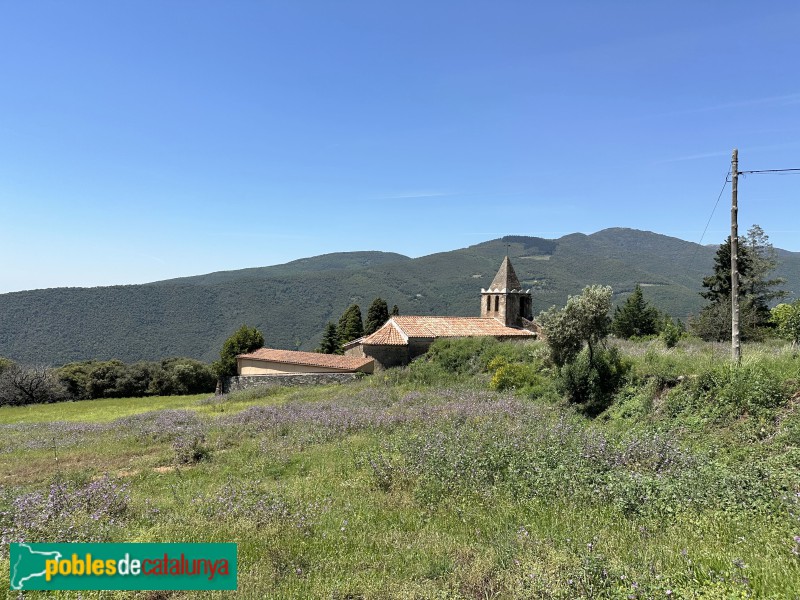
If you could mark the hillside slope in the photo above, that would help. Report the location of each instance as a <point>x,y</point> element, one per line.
<point>291,303</point>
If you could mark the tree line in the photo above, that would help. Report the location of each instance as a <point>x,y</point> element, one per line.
<point>90,380</point>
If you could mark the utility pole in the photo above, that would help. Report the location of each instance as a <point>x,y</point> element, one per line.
<point>736,347</point>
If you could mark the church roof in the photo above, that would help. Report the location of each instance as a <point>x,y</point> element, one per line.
<point>308,359</point>
<point>506,278</point>
<point>398,330</point>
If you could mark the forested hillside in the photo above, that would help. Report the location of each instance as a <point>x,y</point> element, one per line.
<point>291,303</point>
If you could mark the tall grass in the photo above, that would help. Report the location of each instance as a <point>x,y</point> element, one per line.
<point>426,483</point>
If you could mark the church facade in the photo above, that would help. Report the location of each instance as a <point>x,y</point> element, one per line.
<point>506,313</point>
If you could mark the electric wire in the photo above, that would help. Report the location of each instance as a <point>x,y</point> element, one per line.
<point>713,210</point>
<point>768,171</point>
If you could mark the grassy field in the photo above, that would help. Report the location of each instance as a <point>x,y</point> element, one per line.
<point>425,483</point>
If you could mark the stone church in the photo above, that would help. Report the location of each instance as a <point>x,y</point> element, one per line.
<point>506,314</point>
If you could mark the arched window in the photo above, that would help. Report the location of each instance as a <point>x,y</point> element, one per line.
<point>496,303</point>
<point>488,303</point>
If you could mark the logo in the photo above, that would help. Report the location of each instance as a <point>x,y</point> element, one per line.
<point>123,566</point>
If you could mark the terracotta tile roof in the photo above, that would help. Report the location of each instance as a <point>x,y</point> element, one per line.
<point>311,359</point>
<point>388,335</point>
<point>397,331</point>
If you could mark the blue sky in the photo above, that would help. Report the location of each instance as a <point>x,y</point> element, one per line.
<point>146,140</point>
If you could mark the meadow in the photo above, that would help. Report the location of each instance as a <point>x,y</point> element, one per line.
<point>466,475</point>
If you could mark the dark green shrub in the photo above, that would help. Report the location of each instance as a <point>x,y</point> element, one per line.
<point>176,376</point>
<point>75,377</point>
<point>670,334</point>
<point>134,380</point>
<point>104,378</point>
<point>592,383</point>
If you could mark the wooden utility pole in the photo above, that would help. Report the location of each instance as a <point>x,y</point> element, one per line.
<point>736,347</point>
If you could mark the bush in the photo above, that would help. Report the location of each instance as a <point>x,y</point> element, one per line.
<point>720,393</point>
<point>749,388</point>
<point>592,383</point>
<point>514,376</point>
<point>462,356</point>
<point>178,376</point>
<point>583,320</point>
<point>190,448</point>
<point>104,379</point>
<point>670,334</point>
<point>114,379</point>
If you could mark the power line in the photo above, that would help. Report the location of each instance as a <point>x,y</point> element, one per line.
<point>711,216</point>
<point>724,185</point>
<point>763,171</point>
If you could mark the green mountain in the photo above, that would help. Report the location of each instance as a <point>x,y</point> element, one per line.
<point>291,303</point>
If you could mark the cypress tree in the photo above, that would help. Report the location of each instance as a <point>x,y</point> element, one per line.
<point>351,326</point>
<point>330,340</point>
<point>377,315</point>
<point>395,311</point>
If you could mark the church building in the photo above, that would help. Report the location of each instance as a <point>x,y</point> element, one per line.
<point>506,313</point>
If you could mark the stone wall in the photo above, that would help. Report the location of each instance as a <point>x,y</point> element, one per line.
<point>245,382</point>
<point>387,356</point>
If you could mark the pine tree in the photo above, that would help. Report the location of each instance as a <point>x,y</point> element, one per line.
<point>635,317</point>
<point>718,284</point>
<point>377,315</point>
<point>351,326</point>
<point>763,261</point>
<point>756,261</point>
<point>330,343</point>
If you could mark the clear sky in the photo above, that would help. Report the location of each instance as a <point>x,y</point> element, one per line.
<point>142,140</point>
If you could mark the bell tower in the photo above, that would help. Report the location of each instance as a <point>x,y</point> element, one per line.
<point>505,300</point>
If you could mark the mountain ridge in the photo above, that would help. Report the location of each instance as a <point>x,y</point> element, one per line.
<point>192,316</point>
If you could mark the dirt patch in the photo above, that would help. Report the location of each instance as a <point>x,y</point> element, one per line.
<point>125,473</point>
<point>165,469</point>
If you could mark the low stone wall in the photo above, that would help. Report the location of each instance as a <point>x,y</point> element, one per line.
<point>244,382</point>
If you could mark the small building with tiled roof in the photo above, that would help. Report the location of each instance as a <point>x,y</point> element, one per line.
<point>505,314</point>
<point>269,361</point>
